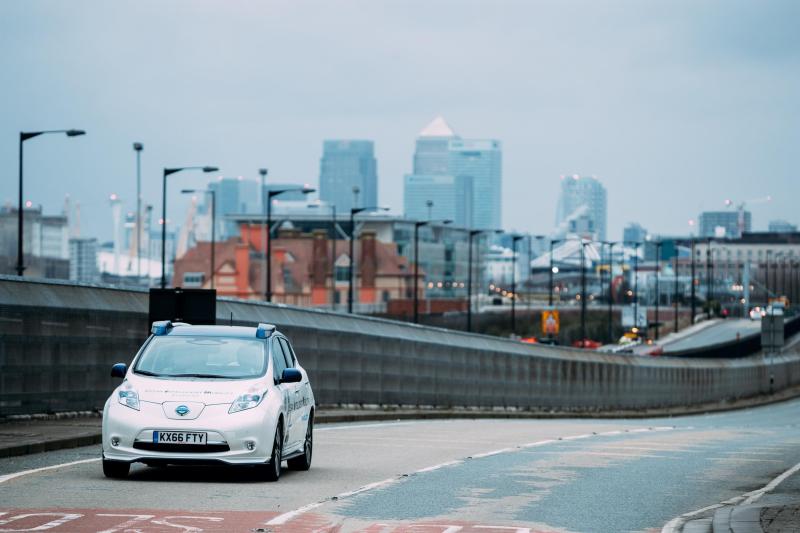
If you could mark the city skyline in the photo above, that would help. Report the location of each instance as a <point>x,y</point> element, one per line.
<point>707,108</point>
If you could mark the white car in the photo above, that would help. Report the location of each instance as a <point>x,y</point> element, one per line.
<point>210,395</point>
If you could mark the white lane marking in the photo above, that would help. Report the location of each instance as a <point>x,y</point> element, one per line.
<point>360,426</point>
<point>8,477</point>
<point>676,524</point>
<point>286,517</point>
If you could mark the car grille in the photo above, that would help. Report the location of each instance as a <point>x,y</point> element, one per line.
<point>181,448</point>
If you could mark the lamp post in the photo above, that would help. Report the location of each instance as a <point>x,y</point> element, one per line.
<point>353,212</point>
<point>24,136</point>
<point>418,224</point>
<point>213,194</point>
<point>636,246</point>
<point>583,292</point>
<point>270,195</point>
<point>610,290</point>
<point>766,280</point>
<point>167,172</point>
<point>693,303</point>
<point>552,271</point>
<point>472,234</point>
<point>675,289</point>
<point>658,289</point>
<point>138,147</point>
<point>709,276</point>
<point>263,198</point>
<point>333,253</point>
<point>514,240</point>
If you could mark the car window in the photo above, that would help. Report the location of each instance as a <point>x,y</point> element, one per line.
<point>288,353</point>
<point>205,357</point>
<point>278,361</point>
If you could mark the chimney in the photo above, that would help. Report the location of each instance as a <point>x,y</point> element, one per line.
<point>319,259</point>
<point>242,270</point>
<point>369,259</point>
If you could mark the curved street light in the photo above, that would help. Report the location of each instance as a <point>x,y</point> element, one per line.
<point>353,212</point>
<point>167,172</point>
<point>24,136</point>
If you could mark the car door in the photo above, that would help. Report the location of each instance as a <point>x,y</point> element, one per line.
<point>301,401</point>
<point>286,389</point>
<point>295,432</point>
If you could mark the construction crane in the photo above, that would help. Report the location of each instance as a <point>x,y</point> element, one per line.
<point>740,208</point>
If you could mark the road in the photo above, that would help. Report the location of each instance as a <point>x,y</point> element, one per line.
<point>430,476</point>
<point>723,331</point>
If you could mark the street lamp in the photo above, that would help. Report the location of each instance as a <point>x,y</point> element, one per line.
<point>138,147</point>
<point>24,136</point>
<point>583,291</point>
<point>417,225</point>
<point>514,240</point>
<point>213,227</point>
<point>333,252</point>
<point>552,271</point>
<point>270,195</point>
<point>353,212</point>
<point>167,172</point>
<point>658,289</point>
<point>693,290</point>
<point>636,245</point>
<point>610,289</point>
<point>675,287</point>
<point>472,234</point>
<point>263,198</point>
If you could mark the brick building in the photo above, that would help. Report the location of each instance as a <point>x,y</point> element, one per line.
<point>303,271</point>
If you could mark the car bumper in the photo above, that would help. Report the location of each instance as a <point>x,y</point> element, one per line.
<point>128,435</point>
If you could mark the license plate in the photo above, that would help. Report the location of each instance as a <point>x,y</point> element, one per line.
<point>178,437</point>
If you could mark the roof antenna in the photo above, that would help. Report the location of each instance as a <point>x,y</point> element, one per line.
<point>231,318</point>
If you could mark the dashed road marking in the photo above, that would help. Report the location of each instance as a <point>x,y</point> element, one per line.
<point>286,517</point>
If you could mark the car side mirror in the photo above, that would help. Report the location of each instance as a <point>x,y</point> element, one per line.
<point>291,375</point>
<point>119,370</point>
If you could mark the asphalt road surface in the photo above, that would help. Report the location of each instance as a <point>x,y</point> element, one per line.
<point>428,476</point>
<point>724,331</point>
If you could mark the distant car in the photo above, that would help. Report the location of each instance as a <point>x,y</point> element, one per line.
<point>756,313</point>
<point>588,344</point>
<point>210,395</point>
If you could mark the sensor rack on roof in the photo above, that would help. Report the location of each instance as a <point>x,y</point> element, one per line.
<point>263,331</point>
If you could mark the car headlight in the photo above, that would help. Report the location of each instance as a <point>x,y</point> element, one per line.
<point>129,398</point>
<point>246,401</point>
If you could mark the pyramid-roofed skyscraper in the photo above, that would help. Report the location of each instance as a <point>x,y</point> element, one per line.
<point>454,173</point>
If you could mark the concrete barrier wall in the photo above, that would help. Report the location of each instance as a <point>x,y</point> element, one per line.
<point>58,342</point>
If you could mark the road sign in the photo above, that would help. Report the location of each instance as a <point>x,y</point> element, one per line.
<point>550,323</point>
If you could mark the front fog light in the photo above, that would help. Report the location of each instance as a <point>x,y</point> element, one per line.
<point>115,441</point>
<point>250,445</point>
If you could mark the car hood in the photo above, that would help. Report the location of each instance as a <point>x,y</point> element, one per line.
<point>206,391</point>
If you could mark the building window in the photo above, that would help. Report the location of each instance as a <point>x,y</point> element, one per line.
<point>193,279</point>
<point>386,296</point>
<point>342,273</point>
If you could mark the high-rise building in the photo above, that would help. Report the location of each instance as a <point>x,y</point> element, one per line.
<point>781,226</point>
<point>634,232</point>
<point>346,167</point>
<point>83,260</point>
<point>233,196</point>
<point>724,223</point>
<point>477,165</point>
<point>462,178</point>
<point>582,197</point>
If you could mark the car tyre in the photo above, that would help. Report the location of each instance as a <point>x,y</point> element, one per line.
<point>272,470</point>
<point>116,469</point>
<point>303,462</point>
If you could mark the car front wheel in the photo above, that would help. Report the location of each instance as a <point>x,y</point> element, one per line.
<point>303,462</point>
<point>272,470</point>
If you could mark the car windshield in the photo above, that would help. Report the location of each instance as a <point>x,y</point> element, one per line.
<point>203,357</point>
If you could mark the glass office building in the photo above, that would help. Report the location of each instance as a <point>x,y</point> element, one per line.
<point>344,166</point>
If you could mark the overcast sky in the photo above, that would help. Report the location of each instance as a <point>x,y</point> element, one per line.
<point>675,106</point>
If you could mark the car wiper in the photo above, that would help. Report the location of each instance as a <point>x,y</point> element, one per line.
<point>145,372</point>
<point>195,376</point>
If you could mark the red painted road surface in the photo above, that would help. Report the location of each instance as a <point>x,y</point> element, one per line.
<point>160,521</point>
